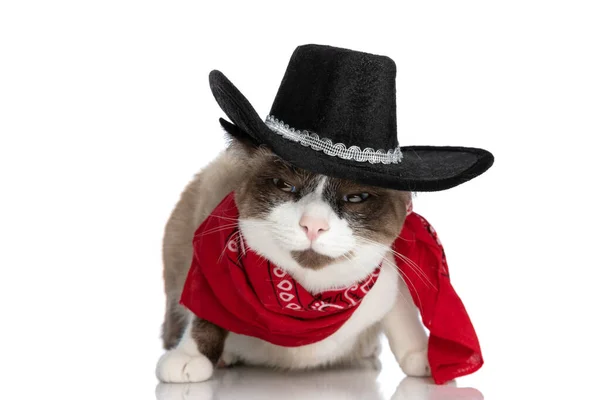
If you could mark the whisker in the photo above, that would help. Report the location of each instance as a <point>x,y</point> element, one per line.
<point>410,263</point>
<point>384,260</point>
<point>219,229</point>
<point>234,237</point>
<point>222,217</point>
<point>424,278</point>
<point>405,279</point>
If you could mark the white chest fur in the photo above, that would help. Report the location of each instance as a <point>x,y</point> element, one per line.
<point>375,305</point>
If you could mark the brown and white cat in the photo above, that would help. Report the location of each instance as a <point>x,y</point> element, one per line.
<point>325,232</point>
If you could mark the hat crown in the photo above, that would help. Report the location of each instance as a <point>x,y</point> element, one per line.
<point>343,95</point>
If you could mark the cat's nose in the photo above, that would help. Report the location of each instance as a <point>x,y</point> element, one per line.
<point>313,227</point>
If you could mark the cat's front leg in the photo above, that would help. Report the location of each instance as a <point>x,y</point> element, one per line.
<point>406,335</point>
<point>194,357</point>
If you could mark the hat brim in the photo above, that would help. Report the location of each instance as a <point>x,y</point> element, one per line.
<point>422,168</point>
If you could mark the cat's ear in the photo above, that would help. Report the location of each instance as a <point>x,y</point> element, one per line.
<point>238,140</point>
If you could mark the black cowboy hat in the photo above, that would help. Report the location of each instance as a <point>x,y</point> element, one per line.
<point>335,114</point>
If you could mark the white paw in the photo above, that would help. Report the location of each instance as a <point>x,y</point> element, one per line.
<point>416,364</point>
<point>176,366</point>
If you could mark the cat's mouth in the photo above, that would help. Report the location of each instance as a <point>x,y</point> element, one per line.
<point>313,260</point>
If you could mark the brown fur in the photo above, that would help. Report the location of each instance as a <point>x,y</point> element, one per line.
<point>380,217</point>
<point>257,194</point>
<point>173,326</point>
<point>311,259</point>
<point>210,339</point>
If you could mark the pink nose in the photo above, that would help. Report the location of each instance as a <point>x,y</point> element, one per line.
<point>313,227</point>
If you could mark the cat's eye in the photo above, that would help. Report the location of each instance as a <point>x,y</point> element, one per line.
<point>284,186</point>
<point>355,197</point>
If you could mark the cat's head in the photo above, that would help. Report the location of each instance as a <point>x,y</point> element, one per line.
<point>324,231</point>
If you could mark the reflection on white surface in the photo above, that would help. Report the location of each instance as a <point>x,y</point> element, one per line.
<point>344,384</point>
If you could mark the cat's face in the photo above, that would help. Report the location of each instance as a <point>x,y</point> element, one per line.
<point>315,225</point>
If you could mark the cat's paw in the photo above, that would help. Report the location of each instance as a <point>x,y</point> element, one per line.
<point>415,363</point>
<point>176,366</point>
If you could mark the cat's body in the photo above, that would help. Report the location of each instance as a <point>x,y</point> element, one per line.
<point>307,230</point>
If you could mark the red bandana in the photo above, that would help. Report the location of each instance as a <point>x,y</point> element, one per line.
<point>238,290</point>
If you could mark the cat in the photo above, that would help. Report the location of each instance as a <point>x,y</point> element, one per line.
<point>323,231</point>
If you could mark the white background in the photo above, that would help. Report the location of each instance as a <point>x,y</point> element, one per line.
<point>105,115</point>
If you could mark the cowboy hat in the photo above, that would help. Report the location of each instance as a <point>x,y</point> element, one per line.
<point>335,114</point>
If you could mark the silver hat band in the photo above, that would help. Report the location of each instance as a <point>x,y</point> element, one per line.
<point>312,140</point>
